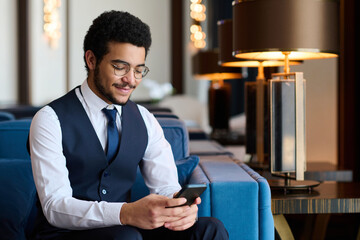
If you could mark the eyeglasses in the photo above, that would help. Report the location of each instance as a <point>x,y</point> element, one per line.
<point>122,68</point>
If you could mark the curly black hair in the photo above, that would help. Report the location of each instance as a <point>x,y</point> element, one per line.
<point>115,26</point>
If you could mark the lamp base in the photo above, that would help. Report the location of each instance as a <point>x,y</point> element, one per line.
<point>290,185</point>
<point>287,123</point>
<point>219,95</point>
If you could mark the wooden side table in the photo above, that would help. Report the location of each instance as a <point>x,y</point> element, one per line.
<point>326,199</point>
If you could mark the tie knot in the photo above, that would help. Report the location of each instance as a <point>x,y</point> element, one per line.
<point>110,114</point>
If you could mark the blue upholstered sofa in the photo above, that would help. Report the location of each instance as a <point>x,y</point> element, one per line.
<point>236,194</point>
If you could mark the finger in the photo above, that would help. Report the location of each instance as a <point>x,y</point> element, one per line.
<point>182,223</point>
<point>183,227</point>
<point>176,211</point>
<point>187,211</point>
<point>193,209</point>
<point>175,202</point>
<point>186,218</point>
<point>197,201</point>
<point>171,219</point>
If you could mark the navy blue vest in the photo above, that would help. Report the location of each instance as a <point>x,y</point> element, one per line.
<point>91,176</point>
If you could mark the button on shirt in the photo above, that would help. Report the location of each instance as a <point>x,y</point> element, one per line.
<point>51,175</point>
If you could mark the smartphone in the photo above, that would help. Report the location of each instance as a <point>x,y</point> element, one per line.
<point>191,192</point>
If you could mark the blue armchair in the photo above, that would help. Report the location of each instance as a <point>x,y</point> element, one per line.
<point>18,191</point>
<point>236,194</point>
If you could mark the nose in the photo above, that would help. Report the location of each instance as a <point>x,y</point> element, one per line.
<point>129,77</point>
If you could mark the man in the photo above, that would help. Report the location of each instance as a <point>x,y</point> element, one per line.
<point>83,172</point>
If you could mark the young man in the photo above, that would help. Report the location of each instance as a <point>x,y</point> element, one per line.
<point>83,171</point>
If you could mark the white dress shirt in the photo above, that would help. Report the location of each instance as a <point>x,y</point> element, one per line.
<point>51,175</point>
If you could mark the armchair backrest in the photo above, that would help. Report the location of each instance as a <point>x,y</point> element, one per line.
<point>177,135</point>
<point>6,116</point>
<point>14,134</point>
<point>22,111</point>
<point>13,138</point>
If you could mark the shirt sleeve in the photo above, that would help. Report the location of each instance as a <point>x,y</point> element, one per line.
<point>158,165</point>
<point>52,182</point>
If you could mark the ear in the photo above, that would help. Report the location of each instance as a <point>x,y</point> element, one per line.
<point>90,59</point>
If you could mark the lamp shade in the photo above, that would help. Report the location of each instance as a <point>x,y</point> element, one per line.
<point>205,66</point>
<point>264,29</point>
<point>226,59</point>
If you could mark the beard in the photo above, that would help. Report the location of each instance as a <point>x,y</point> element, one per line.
<point>107,94</point>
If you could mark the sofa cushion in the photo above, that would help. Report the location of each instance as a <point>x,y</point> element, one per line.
<point>18,195</point>
<point>185,167</point>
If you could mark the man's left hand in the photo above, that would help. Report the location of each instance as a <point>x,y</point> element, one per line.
<point>186,219</point>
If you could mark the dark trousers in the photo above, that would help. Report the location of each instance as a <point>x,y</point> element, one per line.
<point>206,228</point>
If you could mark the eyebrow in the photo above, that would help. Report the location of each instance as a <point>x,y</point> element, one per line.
<point>121,61</point>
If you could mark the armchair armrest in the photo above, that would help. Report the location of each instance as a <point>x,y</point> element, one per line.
<point>240,198</point>
<point>265,215</point>
<point>198,176</point>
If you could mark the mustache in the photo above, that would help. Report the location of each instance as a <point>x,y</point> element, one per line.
<point>123,85</point>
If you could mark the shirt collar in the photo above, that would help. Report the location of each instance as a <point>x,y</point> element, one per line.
<point>94,102</point>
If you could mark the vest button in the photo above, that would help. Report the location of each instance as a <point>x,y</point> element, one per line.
<point>106,174</point>
<point>104,191</point>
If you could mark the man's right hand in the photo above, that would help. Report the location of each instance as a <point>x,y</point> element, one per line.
<point>152,211</point>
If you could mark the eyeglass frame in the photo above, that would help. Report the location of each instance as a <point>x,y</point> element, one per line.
<point>128,67</point>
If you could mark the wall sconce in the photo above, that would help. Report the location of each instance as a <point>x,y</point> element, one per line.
<point>256,95</point>
<point>286,30</point>
<point>205,66</point>
<point>197,14</point>
<point>52,23</point>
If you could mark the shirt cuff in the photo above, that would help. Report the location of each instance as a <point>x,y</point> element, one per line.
<point>112,214</point>
<point>169,192</point>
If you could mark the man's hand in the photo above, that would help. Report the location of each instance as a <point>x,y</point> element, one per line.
<point>152,212</point>
<point>186,220</point>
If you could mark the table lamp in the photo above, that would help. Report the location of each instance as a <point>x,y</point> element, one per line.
<point>286,30</point>
<point>256,94</point>
<point>205,66</point>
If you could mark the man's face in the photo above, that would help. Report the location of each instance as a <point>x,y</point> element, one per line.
<point>105,84</point>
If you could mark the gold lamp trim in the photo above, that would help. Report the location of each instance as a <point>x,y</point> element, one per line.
<point>277,54</point>
<point>245,63</point>
<point>217,76</point>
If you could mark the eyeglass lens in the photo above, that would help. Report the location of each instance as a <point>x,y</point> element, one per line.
<point>121,69</point>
